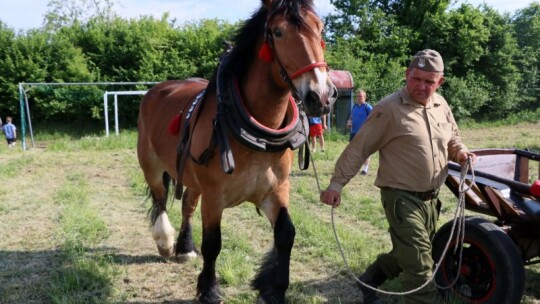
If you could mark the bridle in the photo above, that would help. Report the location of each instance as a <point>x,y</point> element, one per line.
<point>303,155</point>
<point>307,68</point>
<point>284,75</point>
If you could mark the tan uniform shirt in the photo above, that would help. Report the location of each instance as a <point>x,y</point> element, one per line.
<point>414,144</point>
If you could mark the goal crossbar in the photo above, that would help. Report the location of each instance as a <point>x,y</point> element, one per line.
<point>24,87</point>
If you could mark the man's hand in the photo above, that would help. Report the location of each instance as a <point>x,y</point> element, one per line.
<point>330,197</point>
<point>464,155</point>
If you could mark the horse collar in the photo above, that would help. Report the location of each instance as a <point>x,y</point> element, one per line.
<point>236,120</point>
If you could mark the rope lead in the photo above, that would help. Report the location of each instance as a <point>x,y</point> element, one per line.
<point>458,224</point>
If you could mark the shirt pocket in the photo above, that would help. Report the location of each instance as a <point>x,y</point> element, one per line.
<point>442,132</point>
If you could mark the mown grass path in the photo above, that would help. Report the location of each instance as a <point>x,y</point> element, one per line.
<point>74,229</point>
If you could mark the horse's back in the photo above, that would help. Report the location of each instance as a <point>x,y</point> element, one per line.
<point>168,98</point>
<point>156,146</point>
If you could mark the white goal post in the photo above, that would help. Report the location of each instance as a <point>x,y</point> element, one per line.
<point>106,107</point>
<point>25,87</point>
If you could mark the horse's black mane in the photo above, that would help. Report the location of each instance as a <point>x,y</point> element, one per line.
<point>248,36</point>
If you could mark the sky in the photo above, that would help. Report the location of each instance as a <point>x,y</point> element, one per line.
<point>26,14</point>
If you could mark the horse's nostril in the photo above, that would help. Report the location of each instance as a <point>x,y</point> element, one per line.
<point>313,96</point>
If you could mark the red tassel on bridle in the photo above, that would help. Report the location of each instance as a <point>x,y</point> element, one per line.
<point>265,52</point>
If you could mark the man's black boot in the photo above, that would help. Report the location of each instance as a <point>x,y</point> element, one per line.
<point>374,277</point>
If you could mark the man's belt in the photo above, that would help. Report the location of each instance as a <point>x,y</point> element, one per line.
<point>424,196</point>
<point>427,195</point>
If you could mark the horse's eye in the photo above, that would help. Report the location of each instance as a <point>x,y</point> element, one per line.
<point>277,33</point>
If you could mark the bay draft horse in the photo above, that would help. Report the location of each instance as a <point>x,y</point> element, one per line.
<point>252,113</point>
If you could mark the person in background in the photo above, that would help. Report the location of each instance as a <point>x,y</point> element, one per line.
<point>415,133</point>
<point>317,125</point>
<point>10,131</point>
<point>359,113</point>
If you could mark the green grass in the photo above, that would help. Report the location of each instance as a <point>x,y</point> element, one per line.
<point>94,143</point>
<point>84,275</point>
<point>68,174</point>
<point>12,167</point>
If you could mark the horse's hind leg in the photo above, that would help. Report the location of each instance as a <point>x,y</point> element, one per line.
<point>273,278</point>
<point>184,245</point>
<point>162,231</point>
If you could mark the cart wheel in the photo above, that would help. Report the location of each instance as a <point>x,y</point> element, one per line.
<point>492,269</point>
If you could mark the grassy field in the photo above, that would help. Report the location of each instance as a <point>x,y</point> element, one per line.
<point>74,228</point>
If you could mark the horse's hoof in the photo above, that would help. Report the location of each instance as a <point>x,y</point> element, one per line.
<point>271,300</point>
<point>204,300</point>
<point>163,234</point>
<point>184,257</point>
<point>220,302</point>
<point>166,252</point>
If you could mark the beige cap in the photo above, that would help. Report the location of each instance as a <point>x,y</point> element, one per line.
<point>427,60</point>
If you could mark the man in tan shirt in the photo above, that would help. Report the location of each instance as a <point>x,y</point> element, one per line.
<point>416,134</point>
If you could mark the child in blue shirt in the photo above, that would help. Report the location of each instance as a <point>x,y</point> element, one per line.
<point>10,131</point>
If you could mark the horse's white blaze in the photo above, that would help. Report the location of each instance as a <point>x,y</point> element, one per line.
<point>321,75</point>
<point>319,84</point>
<point>163,233</point>
<point>302,84</point>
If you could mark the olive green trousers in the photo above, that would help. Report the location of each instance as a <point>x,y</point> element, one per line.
<point>412,226</point>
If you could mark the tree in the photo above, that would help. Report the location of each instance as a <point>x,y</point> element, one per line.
<point>68,12</point>
<point>466,95</point>
<point>460,36</point>
<point>498,65</point>
<point>526,24</point>
<point>8,70</point>
<point>372,29</point>
<point>412,13</point>
<point>492,61</point>
<point>376,73</point>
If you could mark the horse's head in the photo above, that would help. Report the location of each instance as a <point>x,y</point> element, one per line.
<point>293,44</point>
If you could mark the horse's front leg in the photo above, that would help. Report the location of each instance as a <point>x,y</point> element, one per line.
<point>185,248</point>
<point>272,279</point>
<point>207,284</point>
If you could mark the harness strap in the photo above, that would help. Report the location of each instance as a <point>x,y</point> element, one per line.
<point>185,141</point>
<point>233,118</point>
<point>256,136</point>
<point>304,156</point>
<point>225,153</point>
<point>220,132</point>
